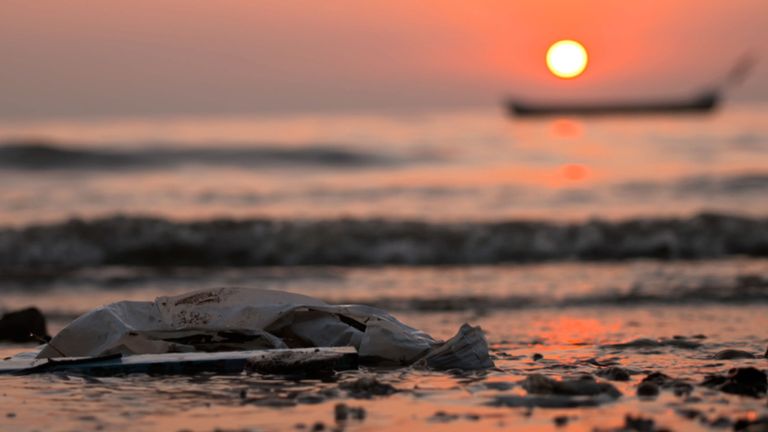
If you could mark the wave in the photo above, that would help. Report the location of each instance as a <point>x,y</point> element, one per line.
<point>155,242</point>
<point>43,155</point>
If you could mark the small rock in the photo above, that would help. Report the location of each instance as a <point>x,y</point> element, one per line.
<point>537,357</point>
<point>319,426</point>
<point>640,424</point>
<point>26,325</point>
<point>721,422</point>
<point>342,412</point>
<point>310,399</point>
<point>658,378</point>
<point>647,389</point>
<point>751,425</point>
<point>582,386</point>
<point>613,373</point>
<point>443,417</point>
<point>11,415</point>
<point>733,354</point>
<point>679,387</point>
<point>689,413</point>
<point>560,421</point>
<point>746,381</point>
<point>366,387</point>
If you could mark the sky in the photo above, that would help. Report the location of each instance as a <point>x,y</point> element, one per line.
<point>95,58</point>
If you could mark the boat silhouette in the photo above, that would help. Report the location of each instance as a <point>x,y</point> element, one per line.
<point>701,102</point>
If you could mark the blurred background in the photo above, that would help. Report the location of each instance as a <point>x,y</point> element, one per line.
<point>383,109</point>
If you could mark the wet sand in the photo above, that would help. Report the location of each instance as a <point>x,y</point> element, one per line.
<point>680,341</point>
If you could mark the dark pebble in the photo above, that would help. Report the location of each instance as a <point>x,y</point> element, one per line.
<point>640,424</point>
<point>26,325</point>
<point>367,387</point>
<point>319,426</point>
<point>343,412</point>
<point>613,373</point>
<point>721,422</point>
<point>733,354</point>
<point>647,389</point>
<point>759,424</point>
<point>746,381</point>
<point>537,357</point>
<point>560,421</point>
<point>443,417</point>
<point>689,413</point>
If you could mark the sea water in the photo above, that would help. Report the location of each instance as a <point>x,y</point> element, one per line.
<point>559,236</point>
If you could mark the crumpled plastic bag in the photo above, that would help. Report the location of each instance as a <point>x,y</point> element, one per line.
<point>231,319</point>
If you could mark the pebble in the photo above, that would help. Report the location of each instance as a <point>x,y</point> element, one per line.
<point>746,381</point>
<point>613,373</point>
<point>343,412</point>
<point>367,387</point>
<point>733,354</point>
<point>647,389</point>
<point>560,421</point>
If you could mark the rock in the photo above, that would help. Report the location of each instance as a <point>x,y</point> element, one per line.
<point>759,424</point>
<point>549,401</point>
<point>546,392</point>
<point>733,354</point>
<point>613,373</point>
<point>367,387</point>
<point>641,343</point>
<point>635,424</point>
<point>443,417</point>
<point>746,381</point>
<point>582,386</point>
<point>679,387</point>
<point>560,421</point>
<point>647,389</point>
<point>537,357</point>
<point>343,412</point>
<point>640,424</point>
<point>21,325</point>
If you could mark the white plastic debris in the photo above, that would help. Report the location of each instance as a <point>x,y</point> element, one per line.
<point>231,319</point>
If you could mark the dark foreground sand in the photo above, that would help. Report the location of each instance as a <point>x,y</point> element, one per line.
<point>532,347</point>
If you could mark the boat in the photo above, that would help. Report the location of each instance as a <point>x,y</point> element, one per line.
<point>701,103</point>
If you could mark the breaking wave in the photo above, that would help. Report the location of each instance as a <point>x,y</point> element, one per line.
<point>43,155</point>
<point>154,242</point>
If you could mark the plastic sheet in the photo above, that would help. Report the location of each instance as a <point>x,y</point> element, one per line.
<point>231,319</point>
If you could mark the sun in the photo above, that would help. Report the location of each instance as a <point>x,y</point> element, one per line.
<point>566,59</point>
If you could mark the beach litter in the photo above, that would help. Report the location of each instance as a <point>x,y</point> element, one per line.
<point>236,329</point>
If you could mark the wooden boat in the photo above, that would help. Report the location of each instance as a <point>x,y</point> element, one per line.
<point>699,104</point>
<point>703,102</point>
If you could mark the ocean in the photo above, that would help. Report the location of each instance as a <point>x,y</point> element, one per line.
<point>561,237</point>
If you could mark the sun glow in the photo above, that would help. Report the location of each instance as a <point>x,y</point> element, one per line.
<point>566,59</point>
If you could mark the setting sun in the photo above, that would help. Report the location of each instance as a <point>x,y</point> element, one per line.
<point>566,59</point>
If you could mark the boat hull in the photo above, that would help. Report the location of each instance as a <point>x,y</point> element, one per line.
<point>701,104</point>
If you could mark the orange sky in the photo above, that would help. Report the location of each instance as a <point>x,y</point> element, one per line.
<point>143,57</point>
